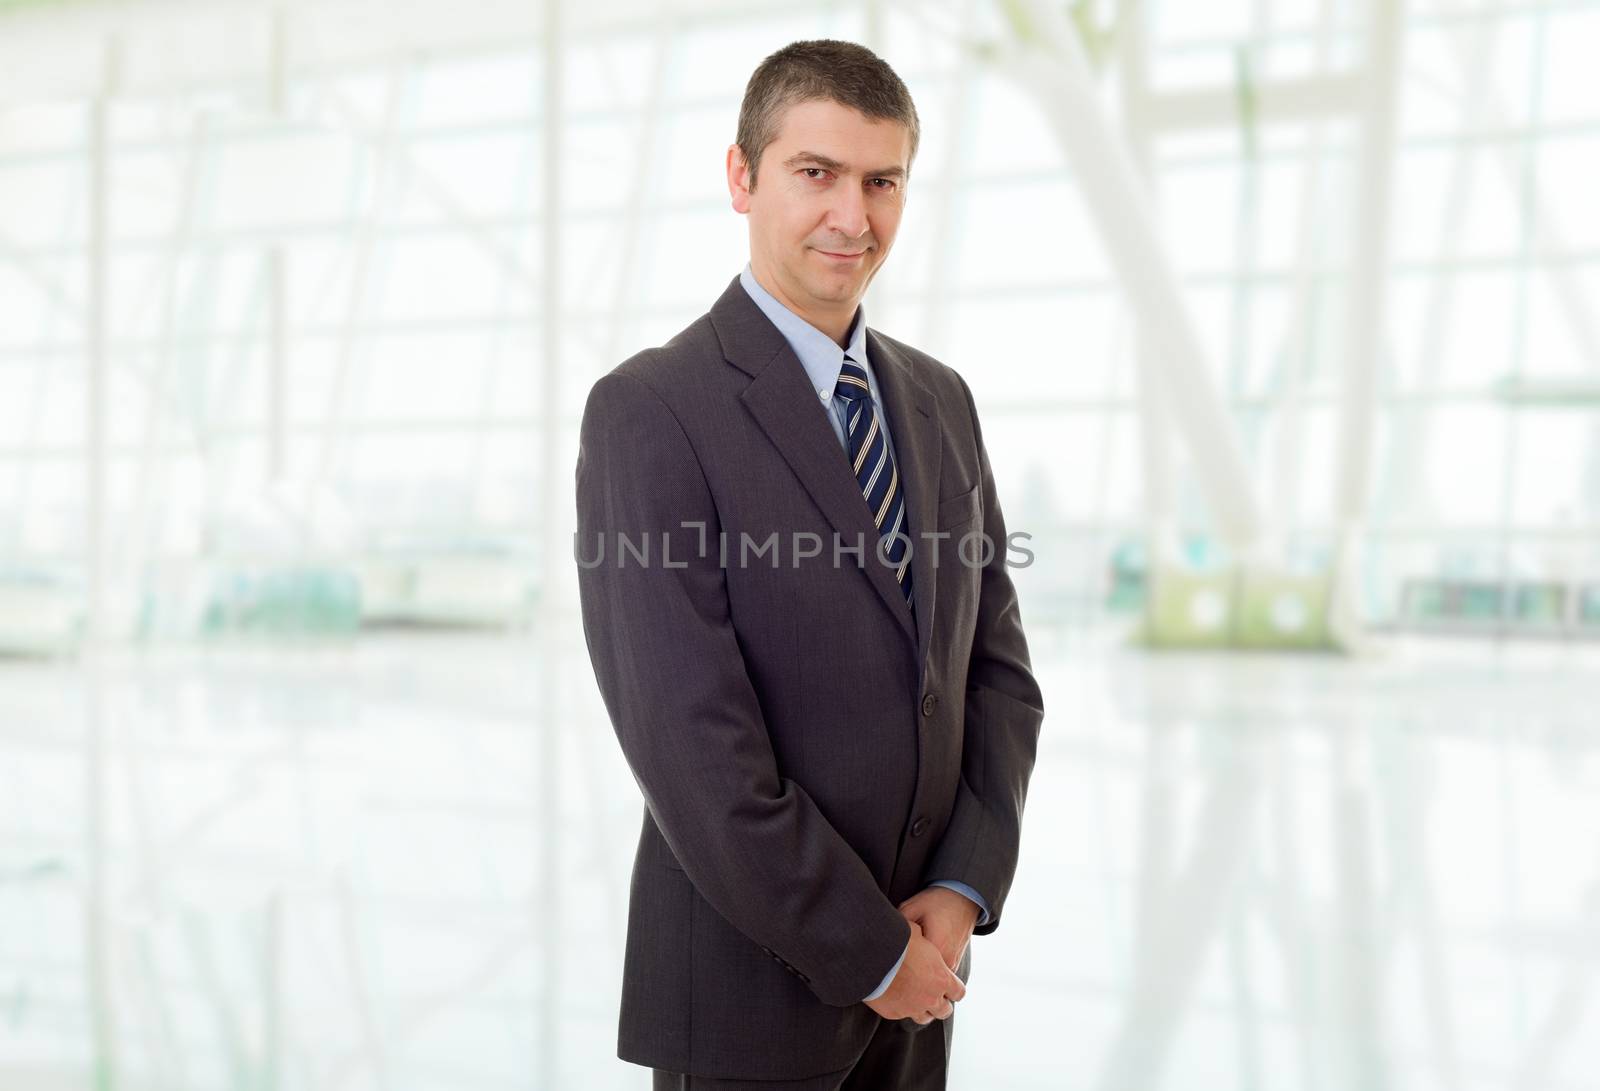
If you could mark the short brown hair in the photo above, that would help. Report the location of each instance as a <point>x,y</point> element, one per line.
<point>851,75</point>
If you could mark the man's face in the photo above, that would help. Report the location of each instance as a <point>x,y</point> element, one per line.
<point>825,209</point>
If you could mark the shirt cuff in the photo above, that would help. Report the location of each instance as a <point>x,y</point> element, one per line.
<point>881,989</point>
<point>966,891</point>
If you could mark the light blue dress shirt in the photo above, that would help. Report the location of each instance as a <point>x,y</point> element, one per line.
<point>822,360</point>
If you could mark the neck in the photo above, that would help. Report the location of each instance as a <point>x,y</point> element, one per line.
<point>834,321</point>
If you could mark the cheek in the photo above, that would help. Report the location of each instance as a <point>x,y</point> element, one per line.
<point>885,226</point>
<point>783,231</point>
<point>805,219</point>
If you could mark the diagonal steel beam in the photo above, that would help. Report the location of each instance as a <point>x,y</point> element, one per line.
<point>1045,55</point>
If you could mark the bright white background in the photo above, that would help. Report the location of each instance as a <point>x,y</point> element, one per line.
<point>303,779</point>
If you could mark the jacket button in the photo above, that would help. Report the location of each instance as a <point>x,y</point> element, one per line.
<point>928,704</point>
<point>919,827</point>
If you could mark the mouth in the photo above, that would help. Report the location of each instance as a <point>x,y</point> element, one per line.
<point>836,256</point>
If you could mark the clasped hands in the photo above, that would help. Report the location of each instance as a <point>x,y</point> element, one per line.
<point>926,986</point>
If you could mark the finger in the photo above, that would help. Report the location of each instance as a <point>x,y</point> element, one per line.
<point>945,1010</point>
<point>956,989</point>
<point>922,1020</point>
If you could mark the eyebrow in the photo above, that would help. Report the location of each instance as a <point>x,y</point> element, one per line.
<point>820,160</point>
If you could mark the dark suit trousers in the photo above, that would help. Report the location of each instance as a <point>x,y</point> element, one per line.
<point>896,1059</point>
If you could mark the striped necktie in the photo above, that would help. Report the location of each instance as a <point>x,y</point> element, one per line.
<point>875,471</point>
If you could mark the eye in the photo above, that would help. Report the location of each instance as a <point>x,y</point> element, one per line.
<point>814,173</point>
<point>888,184</point>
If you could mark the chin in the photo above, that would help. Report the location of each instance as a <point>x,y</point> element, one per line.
<point>837,291</point>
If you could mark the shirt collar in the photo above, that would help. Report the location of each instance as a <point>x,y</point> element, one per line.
<point>818,353</point>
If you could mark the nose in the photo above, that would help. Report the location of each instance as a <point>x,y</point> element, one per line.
<point>847,212</point>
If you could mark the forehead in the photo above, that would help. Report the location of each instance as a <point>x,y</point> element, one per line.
<point>842,132</point>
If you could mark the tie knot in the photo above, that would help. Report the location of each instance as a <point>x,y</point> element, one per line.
<point>852,384</point>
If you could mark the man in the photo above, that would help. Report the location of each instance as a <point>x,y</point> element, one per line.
<point>792,572</point>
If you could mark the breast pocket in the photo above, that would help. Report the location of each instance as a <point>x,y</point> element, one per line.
<point>958,511</point>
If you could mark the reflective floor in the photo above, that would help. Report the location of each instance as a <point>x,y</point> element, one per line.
<point>402,864</point>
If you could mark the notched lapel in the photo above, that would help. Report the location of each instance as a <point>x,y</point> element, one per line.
<point>788,411</point>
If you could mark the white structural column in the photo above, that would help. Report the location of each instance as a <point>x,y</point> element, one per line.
<point>1046,57</point>
<point>1287,451</point>
<point>97,378</point>
<point>390,172</point>
<point>555,532</point>
<point>1484,109</point>
<point>139,535</point>
<point>651,146</point>
<point>947,205</point>
<point>277,277</point>
<point>99,984</point>
<point>1368,288</point>
<point>1155,437</point>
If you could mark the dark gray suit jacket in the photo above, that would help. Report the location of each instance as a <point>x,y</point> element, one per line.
<point>809,756</point>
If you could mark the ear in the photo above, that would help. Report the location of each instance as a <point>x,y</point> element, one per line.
<point>738,179</point>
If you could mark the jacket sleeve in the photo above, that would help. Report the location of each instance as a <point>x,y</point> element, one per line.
<point>668,662</point>
<point>1000,734</point>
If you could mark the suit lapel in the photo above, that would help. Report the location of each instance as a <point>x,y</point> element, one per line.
<point>916,434</point>
<point>786,408</point>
